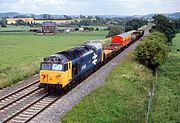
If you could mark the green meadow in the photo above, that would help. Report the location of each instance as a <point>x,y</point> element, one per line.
<point>166,102</point>
<point>14,28</point>
<point>20,53</point>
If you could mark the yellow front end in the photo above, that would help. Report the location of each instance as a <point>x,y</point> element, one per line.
<point>51,77</point>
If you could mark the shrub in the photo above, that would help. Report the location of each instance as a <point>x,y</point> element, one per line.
<point>128,28</point>
<point>97,29</point>
<point>114,30</point>
<point>152,52</point>
<point>157,36</point>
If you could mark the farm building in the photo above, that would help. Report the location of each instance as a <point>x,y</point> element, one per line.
<point>49,27</point>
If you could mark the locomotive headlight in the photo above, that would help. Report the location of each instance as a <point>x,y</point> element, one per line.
<point>43,75</point>
<point>58,76</point>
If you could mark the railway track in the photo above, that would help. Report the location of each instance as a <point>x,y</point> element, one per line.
<point>19,90</point>
<point>32,110</point>
<point>25,103</point>
<point>17,95</point>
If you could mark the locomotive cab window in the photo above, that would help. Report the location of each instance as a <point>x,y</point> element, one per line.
<point>58,67</point>
<point>66,67</point>
<point>45,66</point>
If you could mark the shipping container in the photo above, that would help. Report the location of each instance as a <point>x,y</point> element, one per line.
<point>122,39</point>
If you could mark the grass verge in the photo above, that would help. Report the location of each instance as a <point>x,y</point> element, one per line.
<point>121,98</point>
<point>166,103</point>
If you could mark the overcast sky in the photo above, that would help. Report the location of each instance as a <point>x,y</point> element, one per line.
<point>90,7</point>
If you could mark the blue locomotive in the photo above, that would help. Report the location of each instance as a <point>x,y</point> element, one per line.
<point>60,69</point>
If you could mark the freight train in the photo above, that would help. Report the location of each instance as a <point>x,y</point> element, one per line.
<point>62,69</point>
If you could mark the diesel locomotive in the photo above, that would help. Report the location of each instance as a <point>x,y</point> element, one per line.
<point>62,69</point>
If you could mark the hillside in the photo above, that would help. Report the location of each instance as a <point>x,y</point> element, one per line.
<point>13,14</point>
<point>9,14</point>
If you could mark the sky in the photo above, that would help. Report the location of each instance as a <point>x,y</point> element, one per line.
<point>90,7</point>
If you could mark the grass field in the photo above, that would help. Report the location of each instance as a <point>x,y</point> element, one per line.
<point>15,28</point>
<point>166,103</point>
<point>27,28</point>
<point>176,43</point>
<point>20,53</point>
<point>121,99</point>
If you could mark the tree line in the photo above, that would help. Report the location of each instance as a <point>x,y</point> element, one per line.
<point>131,24</point>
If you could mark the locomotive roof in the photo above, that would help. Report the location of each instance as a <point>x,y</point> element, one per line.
<point>58,58</point>
<point>75,52</point>
<point>123,34</point>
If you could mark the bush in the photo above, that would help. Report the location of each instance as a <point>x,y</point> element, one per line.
<point>114,30</point>
<point>97,29</point>
<point>134,24</point>
<point>152,52</point>
<point>88,28</point>
<point>3,25</point>
<point>157,36</point>
<point>76,29</point>
<point>128,28</point>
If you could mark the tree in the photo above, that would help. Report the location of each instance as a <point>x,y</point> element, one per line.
<point>88,28</point>
<point>164,25</point>
<point>46,16</point>
<point>177,25</point>
<point>157,36</point>
<point>20,22</point>
<point>76,29</point>
<point>86,22</point>
<point>128,28</point>
<point>152,53</point>
<point>3,22</point>
<point>114,30</point>
<point>136,23</point>
<point>81,16</point>
<point>97,29</point>
<point>67,17</point>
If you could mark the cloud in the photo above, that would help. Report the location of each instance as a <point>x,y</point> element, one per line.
<point>93,7</point>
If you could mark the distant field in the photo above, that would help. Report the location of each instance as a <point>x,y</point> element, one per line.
<point>176,43</point>
<point>15,28</point>
<point>26,28</point>
<point>20,53</point>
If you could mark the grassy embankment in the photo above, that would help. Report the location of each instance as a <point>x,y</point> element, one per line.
<point>166,102</point>
<point>20,53</point>
<point>123,96</point>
